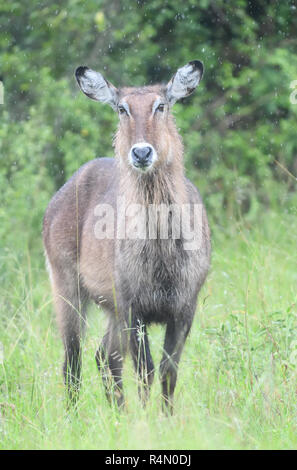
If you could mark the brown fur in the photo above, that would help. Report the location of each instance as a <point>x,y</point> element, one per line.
<point>135,281</point>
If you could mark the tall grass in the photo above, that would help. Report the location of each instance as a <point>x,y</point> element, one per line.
<point>237,378</point>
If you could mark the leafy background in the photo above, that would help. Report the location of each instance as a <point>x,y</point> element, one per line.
<point>235,127</point>
<point>237,380</point>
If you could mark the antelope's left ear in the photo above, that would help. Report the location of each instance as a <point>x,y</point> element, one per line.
<point>184,82</point>
<point>96,87</point>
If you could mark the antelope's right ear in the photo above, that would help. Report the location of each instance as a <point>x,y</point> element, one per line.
<point>94,85</point>
<point>184,82</point>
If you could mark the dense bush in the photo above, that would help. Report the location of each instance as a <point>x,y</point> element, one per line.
<point>235,128</point>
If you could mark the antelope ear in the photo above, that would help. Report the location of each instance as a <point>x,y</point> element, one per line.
<point>184,82</point>
<point>94,85</point>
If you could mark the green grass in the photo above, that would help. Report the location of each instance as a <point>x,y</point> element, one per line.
<point>237,379</point>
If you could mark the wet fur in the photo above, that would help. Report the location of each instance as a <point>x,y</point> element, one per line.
<point>136,282</point>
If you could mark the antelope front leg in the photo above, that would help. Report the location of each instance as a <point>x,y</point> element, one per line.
<point>175,338</point>
<point>142,359</point>
<point>109,358</point>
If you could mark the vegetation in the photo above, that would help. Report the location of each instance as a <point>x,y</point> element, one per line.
<point>237,381</point>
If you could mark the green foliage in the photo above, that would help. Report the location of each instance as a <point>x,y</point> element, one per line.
<point>238,123</point>
<point>237,377</point>
<point>237,385</point>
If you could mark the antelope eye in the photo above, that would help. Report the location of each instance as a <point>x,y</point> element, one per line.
<point>161,107</point>
<point>122,110</point>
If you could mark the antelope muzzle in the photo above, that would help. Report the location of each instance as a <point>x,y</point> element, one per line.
<point>142,156</point>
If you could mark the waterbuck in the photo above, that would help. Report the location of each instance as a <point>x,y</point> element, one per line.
<point>138,280</point>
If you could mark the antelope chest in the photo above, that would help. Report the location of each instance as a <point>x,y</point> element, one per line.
<point>155,277</point>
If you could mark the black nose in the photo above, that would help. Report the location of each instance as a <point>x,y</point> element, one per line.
<point>141,155</point>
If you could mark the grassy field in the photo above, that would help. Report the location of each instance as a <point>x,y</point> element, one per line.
<point>238,376</point>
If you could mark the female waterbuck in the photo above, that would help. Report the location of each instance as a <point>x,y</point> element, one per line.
<point>151,272</point>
